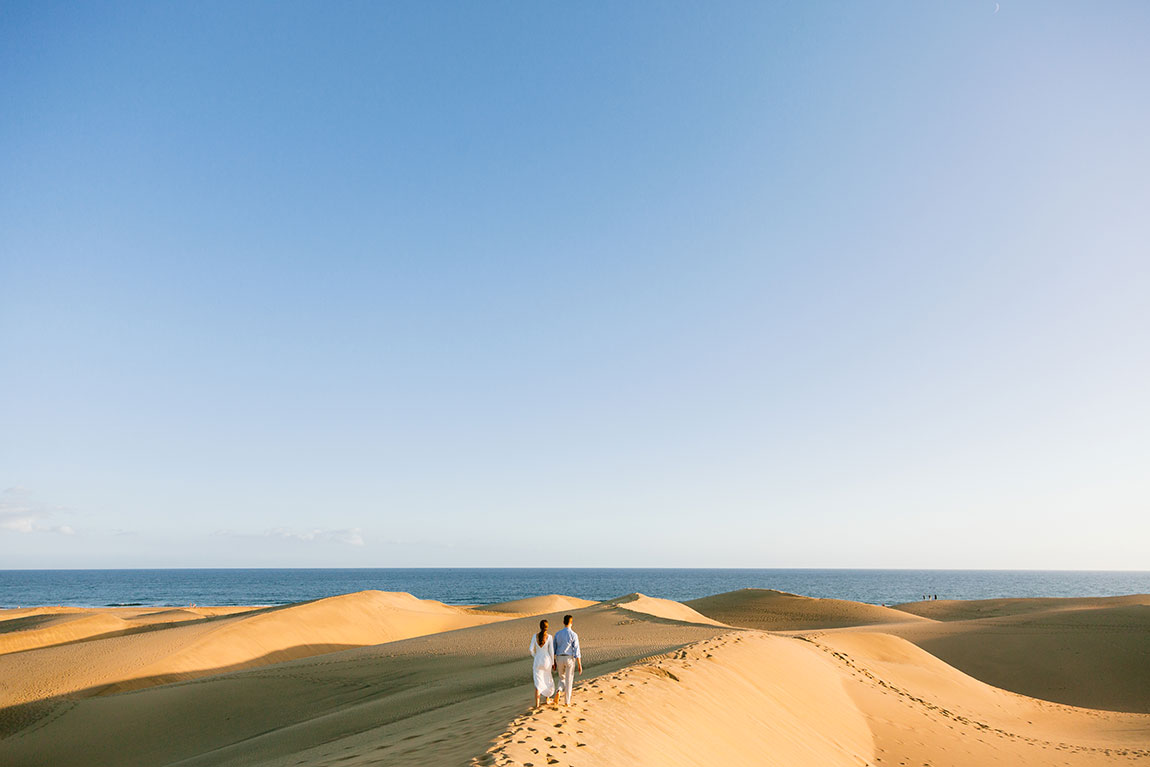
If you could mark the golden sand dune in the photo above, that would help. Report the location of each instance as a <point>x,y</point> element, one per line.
<point>662,686</point>
<point>661,608</point>
<point>771,610</point>
<point>25,629</point>
<point>551,603</point>
<point>845,699</point>
<point>32,631</point>
<point>1085,652</point>
<point>735,699</point>
<point>1093,653</point>
<point>160,653</point>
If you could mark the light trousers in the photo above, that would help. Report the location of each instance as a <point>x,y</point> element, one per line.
<point>566,667</point>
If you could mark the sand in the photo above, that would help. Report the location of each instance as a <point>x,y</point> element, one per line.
<point>551,603</point>
<point>664,683</point>
<point>771,610</point>
<point>1084,652</point>
<point>162,652</point>
<point>25,629</point>
<point>653,607</point>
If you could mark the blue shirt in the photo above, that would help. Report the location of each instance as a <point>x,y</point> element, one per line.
<point>567,642</point>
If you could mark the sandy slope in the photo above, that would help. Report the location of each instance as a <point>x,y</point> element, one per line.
<point>771,610</point>
<point>660,608</point>
<point>165,652</point>
<point>843,699</point>
<point>29,628</point>
<point>735,699</point>
<point>551,603</point>
<point>1083,652</point>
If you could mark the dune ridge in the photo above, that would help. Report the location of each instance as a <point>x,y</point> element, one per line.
<point>186,649</point>
<point>770,610</point>
<point>1085,652</point>
<point>30,628</point>
<point>661,608</point>
<point>550,603</point>
<point>839,699</point>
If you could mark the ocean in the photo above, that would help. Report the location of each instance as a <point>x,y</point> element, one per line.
<point>100,588</point>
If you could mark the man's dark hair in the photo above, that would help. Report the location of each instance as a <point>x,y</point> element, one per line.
<point>566,620</point>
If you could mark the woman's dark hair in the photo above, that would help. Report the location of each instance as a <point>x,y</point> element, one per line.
<point>542,632</point>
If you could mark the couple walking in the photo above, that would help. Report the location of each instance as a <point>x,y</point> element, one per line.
<point>555,653</point>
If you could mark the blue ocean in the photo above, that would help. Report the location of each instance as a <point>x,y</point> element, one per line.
<point>99,588</point>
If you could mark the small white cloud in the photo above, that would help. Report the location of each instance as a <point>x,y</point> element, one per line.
<point>19,514</point>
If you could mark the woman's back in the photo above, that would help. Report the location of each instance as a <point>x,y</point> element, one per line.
<point>544,654</point>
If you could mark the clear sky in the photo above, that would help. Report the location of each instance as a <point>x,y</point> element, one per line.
<point>849,284</point>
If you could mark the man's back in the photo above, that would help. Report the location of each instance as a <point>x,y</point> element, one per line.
<point>567,642</point>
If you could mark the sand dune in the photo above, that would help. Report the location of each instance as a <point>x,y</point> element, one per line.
<point>160,653</point>
<point>844,699</point>
<point>34,631</point>
<point>661,608</point>
<point>664,685</point>
<point>1093,653</point>
<point>551,603</point>
<point>25,629</point>
<point>770,610</point>
<point>961,610</point>
<point>736,699</point>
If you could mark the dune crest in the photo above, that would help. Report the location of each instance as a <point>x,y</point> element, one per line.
<point>842,699</point>
<point>188,649</point>
<point>550,603</point>
<point>30,628</point>
<point>739,698</point>
<point>770,610</point>
<point>661,608</point>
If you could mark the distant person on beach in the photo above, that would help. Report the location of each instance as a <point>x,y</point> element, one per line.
<point>567,658</point>
<point>543,652</point>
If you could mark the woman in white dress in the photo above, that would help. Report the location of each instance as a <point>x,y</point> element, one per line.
<point>543,651</point>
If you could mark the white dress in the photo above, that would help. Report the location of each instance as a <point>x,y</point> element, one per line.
<point>541,668</point>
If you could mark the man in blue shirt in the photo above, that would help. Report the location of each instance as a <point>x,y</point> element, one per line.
<point>567,657</point>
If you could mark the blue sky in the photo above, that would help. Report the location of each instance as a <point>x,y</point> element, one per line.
<point>517,284</point>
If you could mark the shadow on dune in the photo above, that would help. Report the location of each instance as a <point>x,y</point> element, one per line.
<point>14,719</point>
